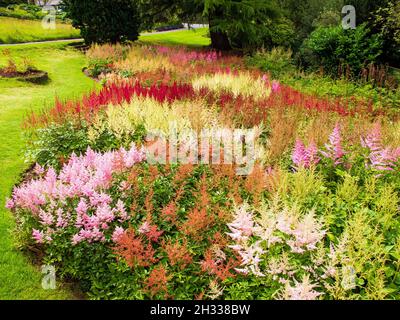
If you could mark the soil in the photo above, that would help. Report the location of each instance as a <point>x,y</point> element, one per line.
<point>35,76</point>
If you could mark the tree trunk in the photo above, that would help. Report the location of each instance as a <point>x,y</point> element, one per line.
<point>220,41</point>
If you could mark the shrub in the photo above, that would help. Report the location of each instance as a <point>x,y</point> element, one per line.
<point>277,61</point>
<point>334,47</point>
<point>104,21</point>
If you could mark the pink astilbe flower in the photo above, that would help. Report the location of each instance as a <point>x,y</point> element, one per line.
<point>38,169</point>
<point>380,158</point>
<point>276,86</point>
<point>38,236</point>
<point>117,234</point>
<point>87,179</point>
<point>10,204</point>
<point>305,157</point>
<point>301,290</point>
<point>242,228</point>
<point>46,218</point>
<point>251,258</point>
<point>334,147</point>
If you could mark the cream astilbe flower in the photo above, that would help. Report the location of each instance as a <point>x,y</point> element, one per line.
<point>307,234</point>
<point>237,84</point>
<point>303,290</point>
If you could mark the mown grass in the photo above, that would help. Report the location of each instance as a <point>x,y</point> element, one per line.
<point>190,38</point>
<point>19,31</point>
<point>19,279</point>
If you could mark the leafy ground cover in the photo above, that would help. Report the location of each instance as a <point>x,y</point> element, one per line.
<point>315,217</point>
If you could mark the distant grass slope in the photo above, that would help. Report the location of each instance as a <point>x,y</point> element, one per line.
<point>19,31</point>
<point>190,38</point>
<point>19,279</point>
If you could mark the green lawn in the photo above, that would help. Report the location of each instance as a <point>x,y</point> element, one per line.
<point>19,279</point>
<point>191,38</point>
<point>18,31</point>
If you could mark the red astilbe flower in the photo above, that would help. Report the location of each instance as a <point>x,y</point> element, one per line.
<point>133,250</point>
<point>157,281</point>
<point>112,94</point>
<point>178,254</point>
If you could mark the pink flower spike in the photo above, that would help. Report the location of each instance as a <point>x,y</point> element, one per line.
<point>276,86</point>
<point>10,204</point>
<point>38,236</point>
<point>117,234</point>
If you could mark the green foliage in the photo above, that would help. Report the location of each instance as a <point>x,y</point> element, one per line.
<point>334,47</point>
<point>245,23</point>
<point>104,21</point>
<point>387,21</point>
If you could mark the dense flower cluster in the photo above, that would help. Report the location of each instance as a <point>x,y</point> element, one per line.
<point>84,180</point>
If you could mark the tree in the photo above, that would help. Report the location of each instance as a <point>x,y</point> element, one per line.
<point>233,23</point>
<point>103,21</point>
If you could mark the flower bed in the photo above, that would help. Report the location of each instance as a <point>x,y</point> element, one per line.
<point>315,217</point>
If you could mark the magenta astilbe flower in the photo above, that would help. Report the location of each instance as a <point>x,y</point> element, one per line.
<point>334,147</point>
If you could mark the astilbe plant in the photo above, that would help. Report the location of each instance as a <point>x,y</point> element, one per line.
<point>83,180</point>
<point>381,158</point>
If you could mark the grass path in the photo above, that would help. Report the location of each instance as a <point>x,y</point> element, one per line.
<point>19,279</point>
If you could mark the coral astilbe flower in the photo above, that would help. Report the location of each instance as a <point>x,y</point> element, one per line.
<point>168,213</point>
<point>157,281</point>
<point>178,254</point>
<point>301,290</point>
<point>134,250</point>
<point>381,158</point>
<point>216,263</point>
<point>150,231</point>
<point>305,157</point>
<point>334,147</point>
<point>198,220</point>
